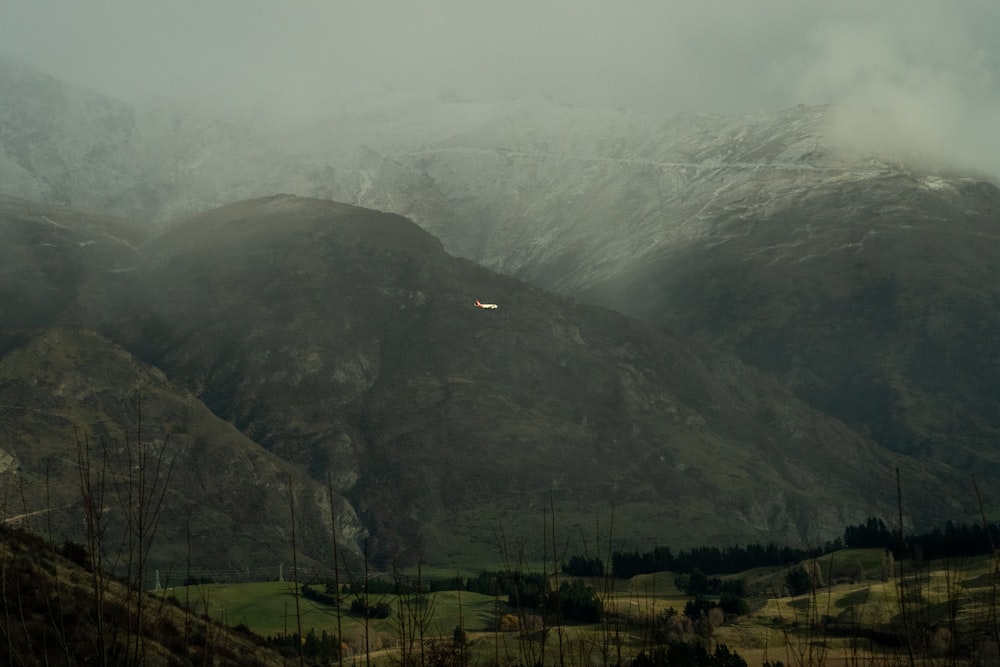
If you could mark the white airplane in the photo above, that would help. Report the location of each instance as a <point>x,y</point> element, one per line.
<point>488,306</point>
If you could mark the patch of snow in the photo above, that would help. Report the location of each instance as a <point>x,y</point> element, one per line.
<point>53,222</point>
<point>936,183</point>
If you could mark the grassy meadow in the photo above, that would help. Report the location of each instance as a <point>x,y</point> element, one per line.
<point>268,609</point>
<point>855,615</point>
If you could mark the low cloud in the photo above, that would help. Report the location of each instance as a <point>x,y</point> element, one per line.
<point>915,77</point>
<point>919,84</point>
<point>935,127</point>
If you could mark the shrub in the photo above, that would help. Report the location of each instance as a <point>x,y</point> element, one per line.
<point>798,581</point>
<point>578,566</point>
<point>380,609</point>
<point>578,602</point>
<point>508,623</point>
<point>75,553</point>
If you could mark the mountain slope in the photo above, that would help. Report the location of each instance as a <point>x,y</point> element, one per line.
<point>877,300</point>
<point>59,265</point>
<point>344,340</point>
<point>865,285</point>
<point>69,393</point>
<point>60,143</point>
<point>714,226</point>
<point>56,611</point>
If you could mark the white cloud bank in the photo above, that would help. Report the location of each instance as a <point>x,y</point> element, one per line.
<point>921,76</point>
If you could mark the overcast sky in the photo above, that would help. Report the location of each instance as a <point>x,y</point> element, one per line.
<point>935,62</point>
<point>655,55</point>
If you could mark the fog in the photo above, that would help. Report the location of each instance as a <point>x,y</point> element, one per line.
<point>916,76</point>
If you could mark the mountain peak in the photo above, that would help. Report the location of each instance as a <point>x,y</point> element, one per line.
<point>340,336</point>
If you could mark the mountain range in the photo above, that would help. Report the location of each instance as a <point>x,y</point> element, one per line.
<point>837,316</point>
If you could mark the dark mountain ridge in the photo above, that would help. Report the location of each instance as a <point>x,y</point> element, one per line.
<point>768,234</point>
<point>864,283</point>
<point>875,300</point>
<point>342,342</point>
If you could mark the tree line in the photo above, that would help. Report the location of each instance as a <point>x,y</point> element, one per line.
<point>954,540</point>
<point>724,560</point>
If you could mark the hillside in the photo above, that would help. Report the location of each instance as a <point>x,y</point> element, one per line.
<point>59,265</point>
<point>296,338</point>
<point>874,299</point>
<point>56,611</point>
<point>214,498</point>
<point>863,281</point>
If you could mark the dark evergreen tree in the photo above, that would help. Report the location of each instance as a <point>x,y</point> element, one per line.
<point>798,580</point>
<point>578,566</point>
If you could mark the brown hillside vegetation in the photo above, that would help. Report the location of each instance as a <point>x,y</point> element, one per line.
<point>54,611</point>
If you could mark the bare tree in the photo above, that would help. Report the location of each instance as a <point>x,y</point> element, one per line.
<point>295,577</point>
<point>140,482</point>
<point>93,486</point>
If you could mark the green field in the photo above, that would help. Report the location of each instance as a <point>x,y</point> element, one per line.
<point>268,608</point>
<point>947,604</point>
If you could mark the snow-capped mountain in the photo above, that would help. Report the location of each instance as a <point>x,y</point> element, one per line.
<point>867,283</point>
<point>61,143</point>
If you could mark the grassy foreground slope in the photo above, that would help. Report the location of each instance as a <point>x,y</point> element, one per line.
<point>55,611</point>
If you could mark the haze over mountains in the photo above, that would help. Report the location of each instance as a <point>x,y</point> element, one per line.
<point>337,339</point>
